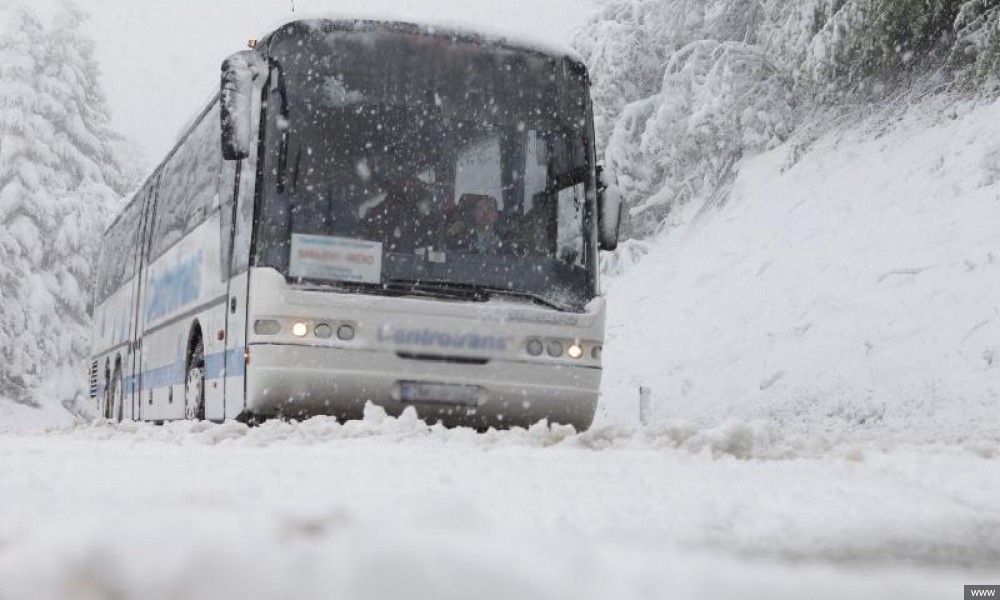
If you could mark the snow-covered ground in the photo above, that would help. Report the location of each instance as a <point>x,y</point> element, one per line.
<point>823,357</point>
<point>392,508</point>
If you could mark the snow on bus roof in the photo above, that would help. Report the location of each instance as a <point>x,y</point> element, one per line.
<point>490,34</point>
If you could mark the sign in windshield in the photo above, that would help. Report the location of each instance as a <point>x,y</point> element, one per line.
<point>335,258</point>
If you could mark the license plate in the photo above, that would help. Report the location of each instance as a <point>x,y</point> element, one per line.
<point>439,393</point>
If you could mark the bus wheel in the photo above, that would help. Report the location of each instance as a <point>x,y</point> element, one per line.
<point>115,406</point>
<point>194,390</point>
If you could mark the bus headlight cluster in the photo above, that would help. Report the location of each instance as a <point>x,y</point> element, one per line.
<point>301,329</point>
<point>557,349</point>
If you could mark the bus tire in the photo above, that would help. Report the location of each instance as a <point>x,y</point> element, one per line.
<point>194,386</point>
<point>250,419</point>
<point>103,401</point>
<point>115,405</point>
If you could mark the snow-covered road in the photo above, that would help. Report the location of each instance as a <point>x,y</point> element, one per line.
<point>388,508</point>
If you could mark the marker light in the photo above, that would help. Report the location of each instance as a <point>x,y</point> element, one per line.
<point>535,347</point>
<point>300,329</point>
<point>266,327</point>
<point>346,333</point>
<point>555,349</point>
<point>323,331</point>
<point>575,351</point>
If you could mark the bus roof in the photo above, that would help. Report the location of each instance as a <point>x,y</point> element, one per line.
<point>342,22</point>
<point>476,34</point>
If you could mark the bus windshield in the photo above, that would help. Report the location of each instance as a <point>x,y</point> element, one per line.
<point>439,165</point>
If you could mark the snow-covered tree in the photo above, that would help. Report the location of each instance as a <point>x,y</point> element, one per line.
<point>684,88</point>
<point>59,179</point>
<point>976,50</point>
<point>716,95</point>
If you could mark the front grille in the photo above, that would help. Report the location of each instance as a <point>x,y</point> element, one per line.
<point>461,360</point>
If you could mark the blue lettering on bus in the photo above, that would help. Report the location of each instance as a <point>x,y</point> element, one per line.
<point>174,288</point>
<point>429,338</point>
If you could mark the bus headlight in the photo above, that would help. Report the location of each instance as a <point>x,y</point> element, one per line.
<point>535,347</point>
<point>555,349</point>
<point>266,327</point>
<point>323,331</point>
<point>300,329</point>
<point>575,351</point>
<point>596,353</point>
<point>346,333</point>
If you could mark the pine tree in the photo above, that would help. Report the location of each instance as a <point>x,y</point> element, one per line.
<point>59,178</point>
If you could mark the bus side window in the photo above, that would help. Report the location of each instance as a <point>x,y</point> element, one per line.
<point>117,264</point>
<point>189,184</point>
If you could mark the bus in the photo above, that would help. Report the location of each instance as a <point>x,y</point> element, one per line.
<point>366,211</point>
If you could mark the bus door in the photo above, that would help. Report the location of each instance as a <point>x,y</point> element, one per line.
<point>139,316</point>
<point>237,229</point>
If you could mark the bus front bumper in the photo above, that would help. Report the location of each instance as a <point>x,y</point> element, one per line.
<point>303,381</point>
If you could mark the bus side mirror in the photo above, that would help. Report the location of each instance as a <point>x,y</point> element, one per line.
<point>609,209</point>
<point>238,74</point>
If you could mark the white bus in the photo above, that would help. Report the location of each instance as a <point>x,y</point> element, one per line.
<point>367,211</point>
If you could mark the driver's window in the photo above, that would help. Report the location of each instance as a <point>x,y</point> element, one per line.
<point>570,223</point>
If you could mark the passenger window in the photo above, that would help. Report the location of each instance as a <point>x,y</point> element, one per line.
<point>189,185</point>
<point>118,259</point>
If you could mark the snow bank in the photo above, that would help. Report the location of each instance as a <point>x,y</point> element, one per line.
<point>758,440</point>
<point>59,402</point>
<point>849,288</point>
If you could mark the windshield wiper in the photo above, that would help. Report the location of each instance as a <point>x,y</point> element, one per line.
<point>483,293</point>
<point>429,289</point>
<point>496,291</point>
<point>391,288</point>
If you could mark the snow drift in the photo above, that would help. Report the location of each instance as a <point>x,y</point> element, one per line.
<point>850,286</point>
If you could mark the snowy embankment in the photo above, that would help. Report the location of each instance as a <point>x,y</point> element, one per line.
<point>850,288</point>
<point>60,403</point>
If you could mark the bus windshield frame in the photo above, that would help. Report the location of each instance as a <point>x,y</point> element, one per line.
<point>445,166</point>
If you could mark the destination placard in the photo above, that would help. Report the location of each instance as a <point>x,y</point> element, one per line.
<point>336,259</point>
